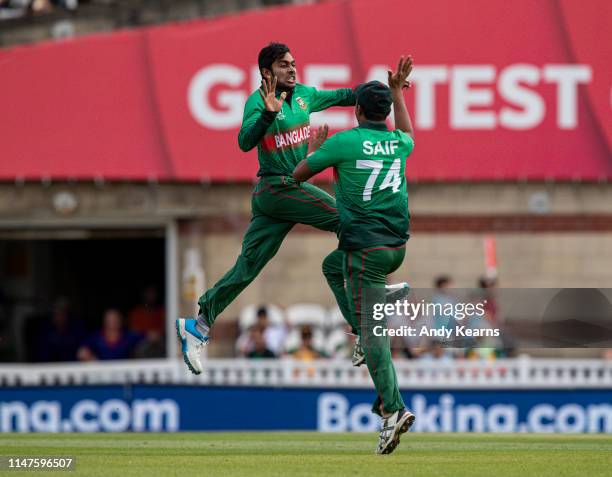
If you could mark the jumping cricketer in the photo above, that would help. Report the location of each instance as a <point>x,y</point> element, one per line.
<point>369,163</point>
<point>276,121</point>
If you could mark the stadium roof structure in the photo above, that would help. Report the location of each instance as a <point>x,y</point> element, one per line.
<point>165,103</point>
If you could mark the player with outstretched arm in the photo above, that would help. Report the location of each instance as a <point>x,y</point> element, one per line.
<point>369,163</point>
<point>276,121</point>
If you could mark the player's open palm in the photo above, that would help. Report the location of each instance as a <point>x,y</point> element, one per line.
<point>317,137</point>
<point>268,94</point>
<point>398,79</point>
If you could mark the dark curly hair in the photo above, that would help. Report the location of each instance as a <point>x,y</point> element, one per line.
<point>269,54</point>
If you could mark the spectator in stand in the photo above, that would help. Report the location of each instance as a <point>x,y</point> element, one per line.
<point>149,316</point>
<point>486,292</point>
<point>444,298</point>
<point>113,341</point>
<point>482,351</point>
<point>13,8</point>
<point>400,348</point>
<point>149,320</point>
<point>41,6</point>
<point>59,338</point>
<point>436,352</point>
<point>274,335</point>
<point>19,8</point>
<point>150,348</point>
<point>306,351</point>
<point>260,349</point>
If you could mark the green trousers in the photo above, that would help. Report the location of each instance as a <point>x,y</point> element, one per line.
<point>365,272</point>
<point>278,203</point>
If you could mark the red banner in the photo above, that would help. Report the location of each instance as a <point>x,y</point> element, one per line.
<point>502,90</point>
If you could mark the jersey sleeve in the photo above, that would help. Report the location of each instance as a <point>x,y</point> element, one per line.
<point>321,100</point>
<point>255,122</point>
<point>329,154</point>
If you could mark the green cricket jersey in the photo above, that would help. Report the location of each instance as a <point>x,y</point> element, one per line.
<point>282,138</point>
<point>371,195</point>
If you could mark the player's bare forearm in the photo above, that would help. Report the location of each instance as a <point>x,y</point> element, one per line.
<point>398,80</point>
<point>302,172</point>
<point>402,118</point>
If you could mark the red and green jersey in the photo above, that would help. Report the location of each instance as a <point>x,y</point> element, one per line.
<point>282,138</point>
<point>369,164</point>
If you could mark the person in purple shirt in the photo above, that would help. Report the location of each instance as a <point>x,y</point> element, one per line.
<point>113,341</point>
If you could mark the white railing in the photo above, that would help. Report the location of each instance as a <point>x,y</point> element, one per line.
<point>522,372</point>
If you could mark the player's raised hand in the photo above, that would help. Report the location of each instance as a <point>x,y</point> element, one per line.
<point>317,137</point>
<point>398,79</point>
<point>268,94</point>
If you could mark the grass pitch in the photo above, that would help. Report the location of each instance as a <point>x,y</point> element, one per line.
<point>306,453</point>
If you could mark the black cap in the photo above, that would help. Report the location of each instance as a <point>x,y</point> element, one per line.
<point>375,98</point>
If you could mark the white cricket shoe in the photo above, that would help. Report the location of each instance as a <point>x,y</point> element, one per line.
<point>358,357</point>
<point>192,342</point>
<point>391,429</point>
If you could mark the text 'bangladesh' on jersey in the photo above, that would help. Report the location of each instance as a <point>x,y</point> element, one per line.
<point>282,138</point>
<point>371,195</point>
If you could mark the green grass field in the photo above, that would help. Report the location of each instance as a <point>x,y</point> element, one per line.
<point>304,453</point>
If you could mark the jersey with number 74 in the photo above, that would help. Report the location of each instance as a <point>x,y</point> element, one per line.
<point>369,164</point>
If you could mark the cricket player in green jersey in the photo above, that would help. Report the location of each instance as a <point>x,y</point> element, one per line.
<point>277,122</point>
<point>369,163</point>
